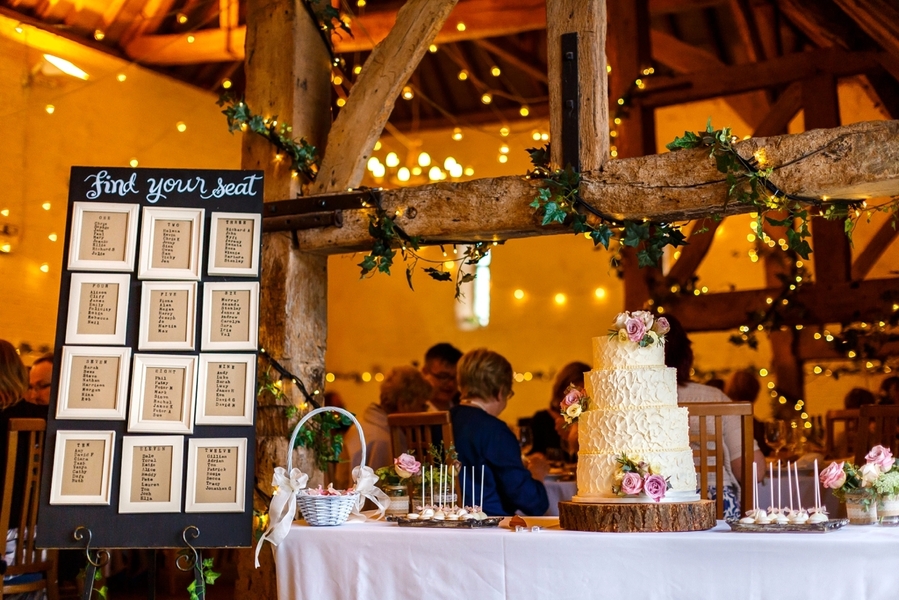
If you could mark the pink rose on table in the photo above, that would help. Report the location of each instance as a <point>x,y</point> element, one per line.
<point>635,329</point>
<point>572,397</point>
<point>406,466</point>
<point>833,476</point>
<point>880,456</point>
<point>661,326</point>
<point>645,316</point>
<point>631,483</point>
<point>655,486</point>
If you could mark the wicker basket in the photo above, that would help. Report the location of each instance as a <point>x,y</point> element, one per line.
<point>325,510</point>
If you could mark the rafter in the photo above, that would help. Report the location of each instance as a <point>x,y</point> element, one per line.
<point>781,113</point>
<point>878,244</point>
<point>691,256</point>
<point>877,18</point>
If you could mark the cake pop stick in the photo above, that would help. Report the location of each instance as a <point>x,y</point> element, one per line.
<point>771,476</point>
<point>798,495</point>
<point>432,484</point>
<point>463,486</point>
<point>482,488</point>
<point>453,486</point>
<point>817,488</point>
<point>790,485</point>
<point>779,502</point>
<point>755,486</point>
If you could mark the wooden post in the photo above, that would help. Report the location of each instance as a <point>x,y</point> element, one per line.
<point>288,75</point>
<point>587,18</point>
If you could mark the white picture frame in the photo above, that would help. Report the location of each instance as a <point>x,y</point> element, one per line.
<point>88,374</point>
<point>113,231</point>
<point>150,464</point>
<point>226,396</point>
<point>228,248</point>
<point>162,239</point>
<point>219,462</point>
<point>90,309</point>
<point>234,327</point>
<point>179,311</point>
<point>82,467</point>
<point>168,410</point>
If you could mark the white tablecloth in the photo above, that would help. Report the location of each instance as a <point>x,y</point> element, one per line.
<point>384,561</point>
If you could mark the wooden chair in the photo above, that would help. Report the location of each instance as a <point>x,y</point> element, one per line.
<point>708,448</point>
<point>33,569</point>
<point>849,419</point>
<point>416,431</point>
<point>876,425</point>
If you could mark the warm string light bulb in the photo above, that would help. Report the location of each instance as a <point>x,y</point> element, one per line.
<point>524,110</point>
<point>457,133</point>
<point>181,126</point>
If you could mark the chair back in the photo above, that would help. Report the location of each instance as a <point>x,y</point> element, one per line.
<point>849,419</point>
<point>708,448</point>
<point>419,431</point>
<point>877,424</point>
<point>26,436</point>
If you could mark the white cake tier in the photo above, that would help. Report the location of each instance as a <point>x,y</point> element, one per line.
<point>620,388</point>
<point>596,475</point>
<point>634,430</point>
<point>615,354</point>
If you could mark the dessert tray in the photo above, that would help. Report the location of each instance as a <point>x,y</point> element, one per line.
<point>823,527</point>
<point>444,524</point>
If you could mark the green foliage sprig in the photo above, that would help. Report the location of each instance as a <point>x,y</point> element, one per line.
<point>303,156</point>
<point>102,591</point>
<point>198,592</point>
<point>558,201</point>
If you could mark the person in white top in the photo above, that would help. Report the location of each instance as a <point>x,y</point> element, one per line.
<point>679,355</point>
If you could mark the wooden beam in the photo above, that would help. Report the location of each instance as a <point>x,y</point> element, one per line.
<point>878,244</point>
<point>816,303</point>
<point>371,100</point>
<point>513,59</point>
<point>878,18</point>
<point>691,255</point>
<point>781,113</point>
<point>855,161</point>
<point>747,29</point>
<point>587,18</point>
<point>666,91</point>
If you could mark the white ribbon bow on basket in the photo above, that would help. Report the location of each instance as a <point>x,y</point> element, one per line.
<point>366,481</point>
<point>283,508</point>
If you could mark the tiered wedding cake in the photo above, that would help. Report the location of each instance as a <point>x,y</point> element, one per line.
<point>632,415</point>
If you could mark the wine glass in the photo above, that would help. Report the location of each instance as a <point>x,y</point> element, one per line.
<point>776,435</point>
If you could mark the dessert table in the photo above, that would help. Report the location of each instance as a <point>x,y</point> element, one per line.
<point>383,560</point>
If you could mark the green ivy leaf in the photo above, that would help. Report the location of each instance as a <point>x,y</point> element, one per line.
<point>437,274</point>
<point>689,140</point>
<point>601,235</point>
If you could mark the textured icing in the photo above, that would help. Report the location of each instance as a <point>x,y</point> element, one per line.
<point>633,411</point>
<point>632,387</point>
<point>634,431</point>
<point>615,354</point>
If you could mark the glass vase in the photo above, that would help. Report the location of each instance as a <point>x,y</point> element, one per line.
<point>399,500</point>
<point>861,508</point>
<point>888,505</point>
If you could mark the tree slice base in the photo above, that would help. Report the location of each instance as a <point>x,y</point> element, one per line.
<point>626,518</point>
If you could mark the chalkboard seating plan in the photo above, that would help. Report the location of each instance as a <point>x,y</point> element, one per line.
<point>153,396</point>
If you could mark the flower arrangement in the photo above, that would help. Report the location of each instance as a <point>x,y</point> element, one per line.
<point>574,403</point>
<point>878,476</point>
<point>404,466</point>
<point>640,327</point>
<point>634,476</point>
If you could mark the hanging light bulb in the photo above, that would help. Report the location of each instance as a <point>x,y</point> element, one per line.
<point>424,159</point>
<point>379,171</point>
<point>403,174</point>
<point>373,162</point>
<point>524,110</point>
<point>487,98</point>
<point>434,173</point>
<point>457,133</point>
<point>392,160</point>
<point>504,131</point>
<point>449,162</point>
<point>408,94</point>
<point>494,70</point>
<point>455,170</point>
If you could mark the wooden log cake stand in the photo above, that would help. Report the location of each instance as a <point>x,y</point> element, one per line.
<point>627,518</point>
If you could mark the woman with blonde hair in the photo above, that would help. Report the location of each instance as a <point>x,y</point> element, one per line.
<point>485,442</point>
<point>13,376</point>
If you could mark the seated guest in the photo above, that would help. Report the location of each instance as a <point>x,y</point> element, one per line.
<point>440,371</point>
<point>485,382</point>
<point>543,424</point>
<point>744,386</point>
<point>858,397</point>
<point>40,379</point>
<point>889,391</point>
<point>679,355</point>
<point>403,390</point>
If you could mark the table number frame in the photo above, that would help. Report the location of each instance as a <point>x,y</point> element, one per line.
<point>117,338</point>
<point>137,422</point>
<point>76,243</point>
<point>129,445</point>
<point>63,439</point>
<point>152,216</point>
<point>191,502</point>
<point>189,317</point>
<point>205,416</point>
<point>252,315</point>
<point>214,241</point>
<point>65,409</point>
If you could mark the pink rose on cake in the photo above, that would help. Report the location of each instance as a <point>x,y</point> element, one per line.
<point>655,487</point>
<point>574,396</point>
<point>645,316</point>
<point>661,326</point>
<point>880,456</point>
<point>620,320</point>
<point>631,483</point>
<point>635,329</point>
<point>406,466</point>
<point>574,403</point>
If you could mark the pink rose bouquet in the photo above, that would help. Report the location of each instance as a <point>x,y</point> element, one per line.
<point>635,329</point>
<point>882,457</point>
<point>631,484</point>
<point>640,327</point>
<point>655,487</point>
<point>574,403</point>
<point>834,476</point>
<point>634,476</point>
<point>406,466</point>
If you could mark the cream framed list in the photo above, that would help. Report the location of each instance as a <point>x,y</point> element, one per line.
<point>168,311</point>
<point>98,309</point>
<point>216,475</point>
<point>171,243</point>
<point>151,474</point>
<point>162,393</point>
<point>93,383</point>
<point>82,467</point>
<point>230,315</point>
<point>234,244</point>
<point>225,390</point>
<point>103,236</point>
